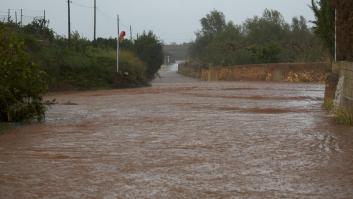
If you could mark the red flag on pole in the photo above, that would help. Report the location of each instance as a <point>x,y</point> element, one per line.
<point>122,35</point>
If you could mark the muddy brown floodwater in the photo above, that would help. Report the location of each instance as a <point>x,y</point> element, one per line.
<point>181,138</point>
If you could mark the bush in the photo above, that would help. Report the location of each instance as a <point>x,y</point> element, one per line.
<point>132,71</point>
<point>83,66</point>
<point>86,64</point>
<point>22,83</point>
<point>344,116</point>
<point>39,27</point>
<point>150,50</point>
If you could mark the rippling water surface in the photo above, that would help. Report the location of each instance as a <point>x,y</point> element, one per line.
<point>182,138</point>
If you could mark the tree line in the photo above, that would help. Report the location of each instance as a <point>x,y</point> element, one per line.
<point>260,39</point>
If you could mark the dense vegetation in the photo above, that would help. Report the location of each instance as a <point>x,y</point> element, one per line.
<point>265,39</point>
<point>22,82</point>
<point>324,23</point>
<point>33,58</point>
<point>325,29</point>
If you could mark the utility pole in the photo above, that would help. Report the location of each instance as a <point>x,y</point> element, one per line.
<point>21,17</point>
<point>117,45</point>
<point>95,21</point>
<point>69,21</point>
<point>16,17</point>
<point>44,15</point>
<point>8,15</point>
<point>130,33</point>
<point>335,35</point>
<point>118,26</point>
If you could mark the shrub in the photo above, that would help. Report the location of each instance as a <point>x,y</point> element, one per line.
<point>91,69</point>
<point>328,105</point>
<point>89,65</point>
<point>150,50</point>
<point>39,27</point>
<point>132,71</point>
<point>344,116</point>
<point>22,83</point>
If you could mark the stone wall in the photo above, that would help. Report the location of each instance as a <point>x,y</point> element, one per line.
<point>189,70</point>
<point>344,91</point>
<point>291,72</point>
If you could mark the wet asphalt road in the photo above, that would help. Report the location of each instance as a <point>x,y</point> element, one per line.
<point>181,138</point>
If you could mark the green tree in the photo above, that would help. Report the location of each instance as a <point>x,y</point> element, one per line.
<point>39,28</point>
<point>150,50</point>
<point>324,22</point>
<point>268,28</point>
<point>22,83</point>
<point>264,39</point>
<point>225,47</point>
<point>213,23</point>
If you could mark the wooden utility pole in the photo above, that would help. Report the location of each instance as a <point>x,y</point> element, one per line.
<point>130,33</point>
<point>117,44</point>
<point>16,17</point>
<point>21,23</point>
<point>44,15</point>
<point>8,15</point>
<point>335,35</point>
<point>69,21</point>
<point>95,20</point>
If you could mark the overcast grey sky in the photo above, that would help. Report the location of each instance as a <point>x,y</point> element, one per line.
<point>171,20</point>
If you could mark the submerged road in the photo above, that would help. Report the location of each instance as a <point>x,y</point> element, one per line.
<point>181,138</point>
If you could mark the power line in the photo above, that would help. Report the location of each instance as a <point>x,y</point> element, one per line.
<point>13,12</point>
<point>31,16</point>
<point>110,17</point>
<point>81,5</point>
<point>105,14</point>
<point>17,15</point>
<point>29,10</point>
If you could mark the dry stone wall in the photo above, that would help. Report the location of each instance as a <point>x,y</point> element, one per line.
<point>290,72</point>
<point>346,70</point>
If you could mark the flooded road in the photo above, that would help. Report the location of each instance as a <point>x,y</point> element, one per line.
<point>182,138</point>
